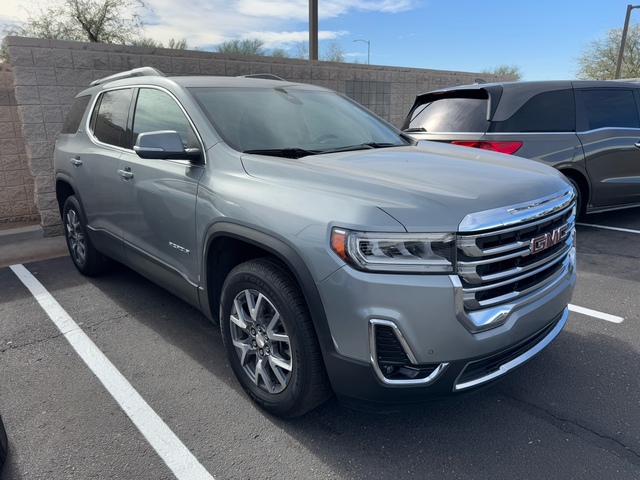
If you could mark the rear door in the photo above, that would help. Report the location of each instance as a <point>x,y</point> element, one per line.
<point>609,129</point>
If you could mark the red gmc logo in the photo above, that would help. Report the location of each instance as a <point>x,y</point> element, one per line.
<point>547,240</point>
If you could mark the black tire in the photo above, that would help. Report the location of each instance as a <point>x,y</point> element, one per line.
<point>4,444</point>
<point>580,205</point>
<point>85,257</point>
<point>272,347</point>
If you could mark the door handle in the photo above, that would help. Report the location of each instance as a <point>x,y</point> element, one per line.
<point>76,161</point>
<point>125,173</point>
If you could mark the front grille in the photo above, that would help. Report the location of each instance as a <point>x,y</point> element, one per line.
<point>501,264</point>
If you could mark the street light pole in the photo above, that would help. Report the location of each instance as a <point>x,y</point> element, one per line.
<point>624,38</point>
<point>368,42</point>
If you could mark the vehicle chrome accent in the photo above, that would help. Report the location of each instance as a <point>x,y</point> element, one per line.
<point>516,362</point>
<point>504,268</point>
<point>261,341</point>
<point>520,213</point>
<point>373,323</point>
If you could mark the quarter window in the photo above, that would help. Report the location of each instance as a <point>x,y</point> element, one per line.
<point>72,122</point>
<point>157,111</point>
<point>610,108</point>
<point>110,117</point>
<point>545,112</point>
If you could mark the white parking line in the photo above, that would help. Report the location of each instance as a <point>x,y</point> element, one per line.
<point>174,453</point>
<point>596,314</point>
<point>604,227</point>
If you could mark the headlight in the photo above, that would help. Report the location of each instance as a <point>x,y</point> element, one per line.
<point>395,252</point>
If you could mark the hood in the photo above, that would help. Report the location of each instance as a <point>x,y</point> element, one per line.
<point>428,187</point>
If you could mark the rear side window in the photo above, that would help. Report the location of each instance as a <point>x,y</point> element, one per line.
<point>72,122</point>
<point>110,117</point>
<point>450,114</point>
<point>545,112</point>
<point>610,108</point>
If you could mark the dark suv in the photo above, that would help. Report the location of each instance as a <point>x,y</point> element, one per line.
<point>588,130</point>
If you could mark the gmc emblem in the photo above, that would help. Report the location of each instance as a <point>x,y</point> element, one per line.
<point>547,240</point>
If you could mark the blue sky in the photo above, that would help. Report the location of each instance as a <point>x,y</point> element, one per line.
<point>544,37</point>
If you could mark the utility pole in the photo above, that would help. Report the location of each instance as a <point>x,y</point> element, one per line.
<point>313,29</point>
<point>624,38</point>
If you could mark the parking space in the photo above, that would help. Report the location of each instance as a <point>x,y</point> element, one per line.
<point>572,412</point>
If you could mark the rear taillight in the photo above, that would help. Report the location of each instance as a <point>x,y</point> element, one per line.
<point>502,147</point>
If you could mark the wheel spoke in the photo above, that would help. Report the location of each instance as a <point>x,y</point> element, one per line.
<point>278,363</point>
<point>261,372</point>
<point>244,348</point>
<point>282,378</point>
<point>239,318</point>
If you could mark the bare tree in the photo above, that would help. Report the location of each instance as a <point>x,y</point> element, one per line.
<point>333,52</point>
<point>511,70</point>
<point>101,21</point>
<point>600,58</point>
<point>247,46</point>
<point>150,42</point>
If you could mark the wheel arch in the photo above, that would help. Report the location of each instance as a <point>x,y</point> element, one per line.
<point>229,244</point>
<point>64,190</point>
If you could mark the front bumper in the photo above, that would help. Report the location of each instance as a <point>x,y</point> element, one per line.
<point>420,316</point>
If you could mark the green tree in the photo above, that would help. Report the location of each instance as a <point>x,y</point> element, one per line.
<point>599,59</point>
<point>247,46</point>
<point>511,70</point>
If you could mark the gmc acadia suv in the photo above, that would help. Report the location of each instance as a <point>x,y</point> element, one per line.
<point>337,254</point>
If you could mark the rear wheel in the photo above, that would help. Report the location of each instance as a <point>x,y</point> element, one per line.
<point>270,339</point>
<point>580,206</point>
<point>85,257</point>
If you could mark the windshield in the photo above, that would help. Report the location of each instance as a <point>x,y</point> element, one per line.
<point>292,121</point>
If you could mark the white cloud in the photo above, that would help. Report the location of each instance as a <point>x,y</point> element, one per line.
<point>211,22</point>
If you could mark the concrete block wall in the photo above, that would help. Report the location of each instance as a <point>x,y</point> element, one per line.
<point>17,203</point>
<point>49,73</point>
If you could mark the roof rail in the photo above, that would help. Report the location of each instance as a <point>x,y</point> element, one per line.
<point>266,76</point>
<point>136,72</point>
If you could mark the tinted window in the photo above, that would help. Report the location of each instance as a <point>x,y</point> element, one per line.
<point>110,117</point>
<point>610,108</point>
<point>155,111</point>
<point>450,115</point>
<point>545,112</point>
<point>72,122</point>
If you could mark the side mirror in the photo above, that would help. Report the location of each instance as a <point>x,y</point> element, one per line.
<point>165,145</point>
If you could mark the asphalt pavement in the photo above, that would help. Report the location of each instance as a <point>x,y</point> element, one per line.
<point>25,243</point>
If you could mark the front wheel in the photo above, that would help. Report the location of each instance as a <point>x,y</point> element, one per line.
<point>270,339</point>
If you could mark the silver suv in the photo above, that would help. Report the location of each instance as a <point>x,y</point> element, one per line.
<point>337,254</point>
<point>588,130</point>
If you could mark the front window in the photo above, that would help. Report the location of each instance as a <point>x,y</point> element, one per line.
<point>265,120</point>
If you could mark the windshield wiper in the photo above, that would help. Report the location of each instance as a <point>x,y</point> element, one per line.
<point>361,146</point>
<point>283,152</point>
<point>415,129</point>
